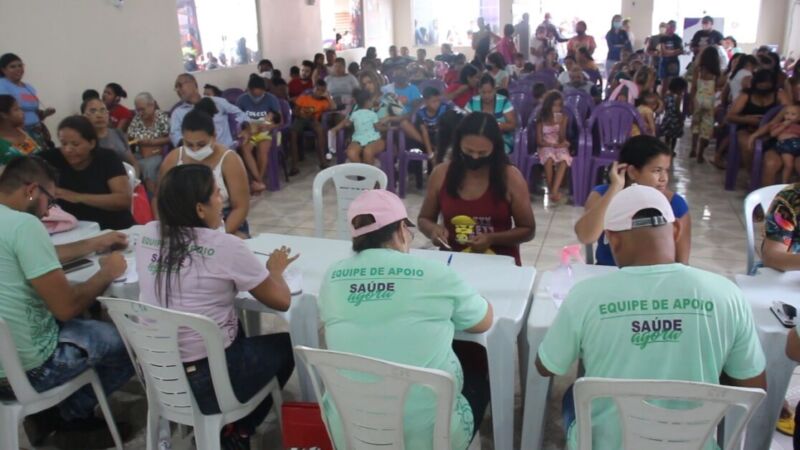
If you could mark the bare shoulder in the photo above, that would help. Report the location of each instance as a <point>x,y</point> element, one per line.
<point>438,174</point>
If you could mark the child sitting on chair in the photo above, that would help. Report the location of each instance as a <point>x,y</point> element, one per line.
<point>367,141</point>
<point>551,129</point>
<point>788,134</point>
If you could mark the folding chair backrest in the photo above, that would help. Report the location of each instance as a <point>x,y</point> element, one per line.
<point>12,366</point>
<point>612,122</point>
<point>349,180</point>
<point>646,422</point>
<point>151,334</point>
<point>761,197</point>
<point>369,395</point>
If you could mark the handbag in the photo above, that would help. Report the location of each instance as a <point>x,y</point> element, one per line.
<point>142,211</point>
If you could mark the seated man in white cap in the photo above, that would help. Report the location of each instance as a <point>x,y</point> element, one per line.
<point>653,319</point>
<point>385,303</point>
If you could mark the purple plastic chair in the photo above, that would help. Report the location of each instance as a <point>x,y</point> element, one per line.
<point>735,157</point>
<point>581,103</point>
<point>549,79</point>
<point>232,94</point>
<point>277,153</point>
<point>396,145</point>
<point>607,129</point>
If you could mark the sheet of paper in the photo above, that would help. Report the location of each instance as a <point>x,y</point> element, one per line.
<point>294,279</point>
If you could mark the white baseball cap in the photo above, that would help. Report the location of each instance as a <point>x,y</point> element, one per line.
<point>629,201</point>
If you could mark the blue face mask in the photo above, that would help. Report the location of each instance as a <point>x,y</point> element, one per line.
<point>617,25</point>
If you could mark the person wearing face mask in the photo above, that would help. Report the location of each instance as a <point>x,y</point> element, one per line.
<point>749,108</point>
<point>260,106</point>
<point>643,160</point>
<point>482,198</point>
<point>617,40</point>
<point>174,275</point>
<point>706,36</point>
<point>93,184</point>
<point>416,324</point>
<point>580,40</point>
<point>200,146</point>
<point>499,106</point>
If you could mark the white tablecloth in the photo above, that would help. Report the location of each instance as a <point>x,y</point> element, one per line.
<point>760,291</point>
<point>84,230</point>
<point>506,286</point>
<point>537,387</point>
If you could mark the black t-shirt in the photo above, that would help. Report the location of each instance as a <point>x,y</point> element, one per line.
<point>704,38</point>
<point>673,42</point>
<point>104,166</point>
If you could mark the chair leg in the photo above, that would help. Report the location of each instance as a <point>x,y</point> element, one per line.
<point>206,432</point>
<point>154,423</point>
<point>103,403</point>
<point>10,418</point>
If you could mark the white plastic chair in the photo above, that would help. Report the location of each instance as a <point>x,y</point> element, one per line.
<point>30,402</point>
<point>134,180</point>
<point>151,336</point>
<point>349,180</point>
<point>648,426</point>
<point>763,197</point>
<point>372,411</point>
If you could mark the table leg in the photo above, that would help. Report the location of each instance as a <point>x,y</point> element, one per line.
<point>537,388</point>
<point>303,331</point>
<point>762,424</point>
<point>500,353</point>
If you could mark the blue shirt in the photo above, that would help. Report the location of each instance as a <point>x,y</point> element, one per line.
<point>257,110</point>
<point>603,256</point>
<point>222,123</point>
<point>431,122</point>
<point>615,43</point>
<point>407,95</point>
<point>25,96</point>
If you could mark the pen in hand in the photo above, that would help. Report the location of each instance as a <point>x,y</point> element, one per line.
<point>444,243</point>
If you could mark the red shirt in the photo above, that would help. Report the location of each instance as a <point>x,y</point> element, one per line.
<point>117,114</point>
<point>451,76</point>
<point>298,85</point>
<point>464,97</point>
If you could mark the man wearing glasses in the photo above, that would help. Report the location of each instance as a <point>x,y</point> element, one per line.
<point>41,308</point>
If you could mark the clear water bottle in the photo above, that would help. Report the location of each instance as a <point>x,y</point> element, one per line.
<point>562,279</point>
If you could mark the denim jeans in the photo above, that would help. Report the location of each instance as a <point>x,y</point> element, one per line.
<point>252,363</point>
<point>82,344</point>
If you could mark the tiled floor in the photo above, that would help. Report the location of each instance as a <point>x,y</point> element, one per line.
<point>718,244</point>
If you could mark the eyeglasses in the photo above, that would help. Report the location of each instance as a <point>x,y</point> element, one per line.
<point>51,199</point>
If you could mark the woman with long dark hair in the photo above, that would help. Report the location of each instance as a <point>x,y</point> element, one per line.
<point>482,198</point>
<point>200,146</point>
<point>186,265</point>
<point>489,100</point>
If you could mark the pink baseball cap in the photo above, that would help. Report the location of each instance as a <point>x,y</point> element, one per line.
<point>629,201</point>
<point>385,207</point>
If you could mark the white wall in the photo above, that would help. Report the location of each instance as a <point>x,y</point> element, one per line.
<point>72,45</point>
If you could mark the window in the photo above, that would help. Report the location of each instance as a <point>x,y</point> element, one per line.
<point>217,34</point>
<point>452,21</point>
<point>737,18</point>
<point>342,24</point>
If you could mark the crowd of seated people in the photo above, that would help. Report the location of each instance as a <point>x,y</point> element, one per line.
<point>201,161</point>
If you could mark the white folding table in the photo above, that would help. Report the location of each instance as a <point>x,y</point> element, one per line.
<point>506,286</point>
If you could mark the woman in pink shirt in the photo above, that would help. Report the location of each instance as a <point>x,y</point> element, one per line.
<point>186,262</point>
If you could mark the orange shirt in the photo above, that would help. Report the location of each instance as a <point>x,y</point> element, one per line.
<point>316,105</point>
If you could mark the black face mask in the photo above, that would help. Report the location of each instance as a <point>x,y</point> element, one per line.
<point>475,163</point>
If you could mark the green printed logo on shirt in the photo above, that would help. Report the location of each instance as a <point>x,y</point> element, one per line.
<point>658,329</point>
<point>374,283</point>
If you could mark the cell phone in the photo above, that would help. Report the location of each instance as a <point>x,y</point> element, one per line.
<point>76,265</point>
<point>785,313</point>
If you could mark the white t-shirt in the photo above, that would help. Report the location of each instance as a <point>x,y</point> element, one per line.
<point>219,268</point>
<point>736,83</point>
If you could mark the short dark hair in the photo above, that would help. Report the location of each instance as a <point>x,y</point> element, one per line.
<point>89,94</point>
<point>707,19</point>
<point>678,84</point>
<point>340,60</point>
<point>81,125</point>
<point>201,118</point>
<point>217,91</point>
<point>6,103</point>
<point>375,239</point>
<point>256,82</point>
<point>85,103</point>
<point>23,170</point>
<point>7,59</point>
<point>321,83</point>
<point>294,70</point>
<point>430,92</point>
<point>639,150</point>
<point>307,63</point>
<point>467,72</point>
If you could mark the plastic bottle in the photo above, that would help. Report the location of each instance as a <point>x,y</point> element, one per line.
<point>561,279</point>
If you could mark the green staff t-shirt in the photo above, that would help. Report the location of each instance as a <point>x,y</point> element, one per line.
<point>398,307</point>
<point>662,322</point>
<point>26,253</point>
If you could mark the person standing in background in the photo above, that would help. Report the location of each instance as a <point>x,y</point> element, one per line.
<point>12,70</point>
<point>617,40</point>
<point>626,25</point>
<point>523,34</point>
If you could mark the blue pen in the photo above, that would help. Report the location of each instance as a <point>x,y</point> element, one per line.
<point>449,259</point>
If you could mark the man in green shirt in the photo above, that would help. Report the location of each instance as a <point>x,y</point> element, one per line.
<point>40,306</point>
<point>385,303</point>
<point>653,319</point>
